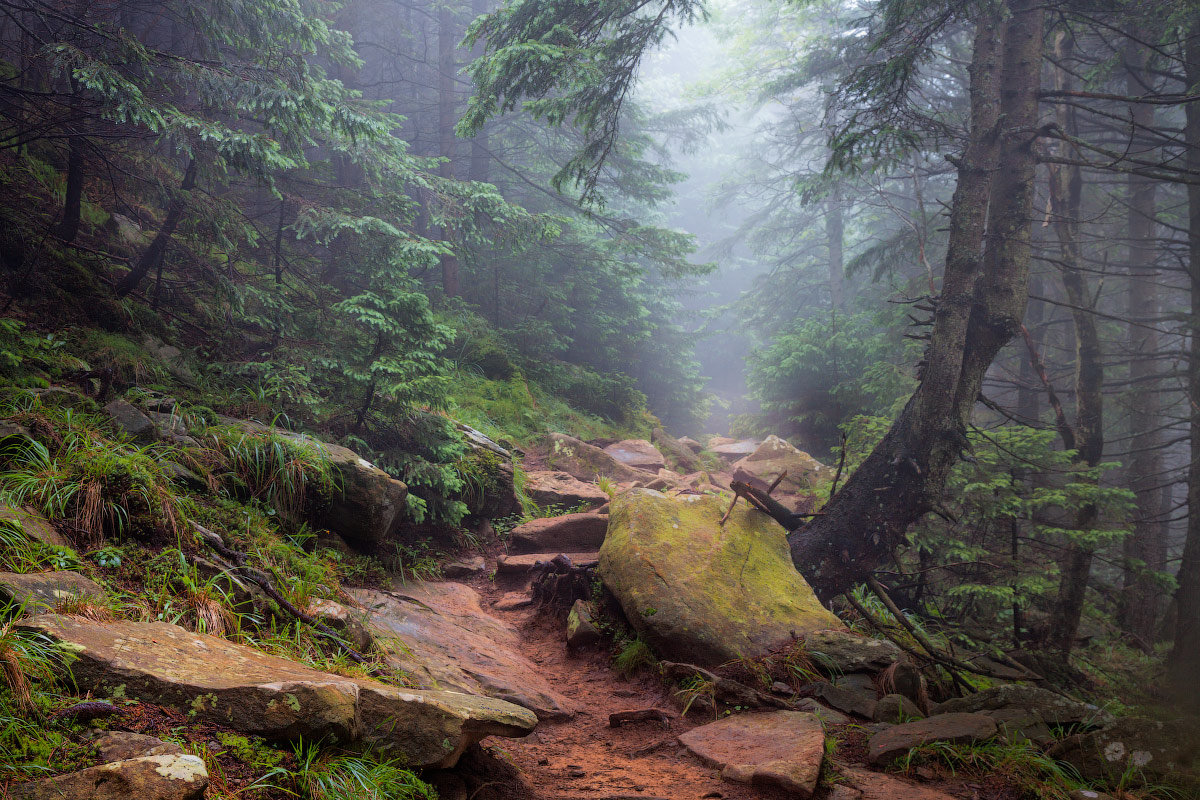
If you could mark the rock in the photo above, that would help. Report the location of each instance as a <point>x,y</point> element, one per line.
<point>131,421</point>
<point>119,746</point>
<point>371,504</point>
<point>953,728</point>
<point>59,397</point>
<point>479,440</point>
<point>702,592</point>
<point>681,457</point>
<point>691,444</point>
<point>156,777</point>
<point>1020,724</point>
<point>348,622</point>
<point>896,708</point>
<point>577,533</point>
<point>171,358</point>
<point>840,791</point>
<point>842,652</point>
<point>1088,794</point>
<point>852,700</point>
<point>465,568</point>
<point>560,489</point>
<point>1131,748</point>
<point>874,786</point>
<point>637,453</point>
<point>36,527</point>
<point>522,565</point>
<point>512,601</point>
<point>581,625</point>
<point>491,492</point>
<point>774,457</point>
<point>43,591</point>
<point>254,693</point>
<point>778,748</point>
<point>181,475</point>
<point>441,637</point>
<point>782,689</point>
<point>827,715</point>
<point>903,678</point>
<point>733,450</point>
<point>585,462</point>
<point>1052,708</point>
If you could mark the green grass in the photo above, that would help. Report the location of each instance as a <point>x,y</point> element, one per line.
<point>324,774</point>
<point>633,655</point>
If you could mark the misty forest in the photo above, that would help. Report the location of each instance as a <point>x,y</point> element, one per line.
<point>599,399</point>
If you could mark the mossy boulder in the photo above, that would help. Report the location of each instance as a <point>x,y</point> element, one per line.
<point>700,591</point>
<point>774,458</point>
<point>586,462</point>
<point>171,776</point>
<point>41,591</point>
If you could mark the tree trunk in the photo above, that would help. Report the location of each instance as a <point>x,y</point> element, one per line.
<point>1087,435</point>
<point>480,157</point>
<point>979,310</point>
<point>447,66</point>
<point>68,226</point>
<point>1144,550</point>
<point>154,254</point>
<point>981,306</point>
<point>1184,663</point>
<point>835,232</point>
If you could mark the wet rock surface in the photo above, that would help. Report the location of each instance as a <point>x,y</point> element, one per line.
<point>777,748</point>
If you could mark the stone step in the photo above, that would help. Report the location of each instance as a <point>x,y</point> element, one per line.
<point>520,565</point>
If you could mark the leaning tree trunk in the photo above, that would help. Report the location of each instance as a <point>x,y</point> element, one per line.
<point>980,308</point>
<point>154,254</point>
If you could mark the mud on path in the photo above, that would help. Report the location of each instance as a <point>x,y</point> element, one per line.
<point>585,759</point>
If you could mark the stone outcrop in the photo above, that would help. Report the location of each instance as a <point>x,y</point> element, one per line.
<point>1053,708</point>
<point>700,591</point>
<point>840,651</point>
<point>777,748</point>
<point>36,527</point>
<point>1131,748</point>
<point>258,694</point>
<point>154,777</point>
<point>42,591</point>
<point>569,533</point>
<point>438,634</point>
<point>679,455</point>
<point>953,728</point>
<point>732,449</point>
<point>549,488</point>
<point>581,625</point>
<point>864,785</point>
<point>637,453</point>
<point>586,463</point>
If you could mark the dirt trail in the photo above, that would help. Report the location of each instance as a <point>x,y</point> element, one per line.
<point>583,757</point>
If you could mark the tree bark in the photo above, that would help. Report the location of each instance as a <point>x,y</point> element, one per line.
<point>835,233</point>
<point>154,254</point>
<point>1184,662</point>
<point>1144,550</point>
<point>68,226</point>
<point>981,306</point>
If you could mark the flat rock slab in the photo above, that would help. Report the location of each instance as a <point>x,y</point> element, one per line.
<point>36,527</point>
<point>843,652</point>
<point>560,489</point>
<point>42,591</point>
<point>874,786</point>
<point>637,453</point>
<point>525,563</point>
<point>587,462</point>
<point>255,693</point>
<point>158,777</point>
<point>575,533</point>
<point>702,592</point>
<point>119,746</point>
<point>952,728</point>
<point>779,748</point>
<point>732,451</point>
<point>440,636</point>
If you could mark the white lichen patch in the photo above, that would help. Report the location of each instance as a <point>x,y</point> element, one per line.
<point>1141,758</point>
<point>1114,751</point>
<point>186,768</point>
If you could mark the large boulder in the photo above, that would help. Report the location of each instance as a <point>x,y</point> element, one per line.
<point>254,693</point>
<point>1131,748</point>
<point>171,776</point>
<point>951,728</point>
<point>438,634</point>
<point>777,748</point>
<point>43,591</point>
<point>637,453</point>
<point>574,533</point>
<point>773,458</point>
<point>586,462</point>
<point>701,591</point>
<point>371,503</point>
<point>548,488</point>
<point>732,449</point>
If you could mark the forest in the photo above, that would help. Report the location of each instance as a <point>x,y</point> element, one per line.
<point>599,399</point>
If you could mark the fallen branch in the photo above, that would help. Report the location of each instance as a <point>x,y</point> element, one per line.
<point>240,568</point>
<point>620,718</point>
